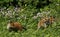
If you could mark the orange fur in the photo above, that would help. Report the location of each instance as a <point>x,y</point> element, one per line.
<point>44,21</point>
<point>51,19</point>
<point>15,26</point>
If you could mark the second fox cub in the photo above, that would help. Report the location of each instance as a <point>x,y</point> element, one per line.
<point>14,26</point>
<point>46,21</point>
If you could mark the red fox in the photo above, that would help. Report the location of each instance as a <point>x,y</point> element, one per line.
<point>45,21</point>
<point>51,19</point>
<point>15,26</point>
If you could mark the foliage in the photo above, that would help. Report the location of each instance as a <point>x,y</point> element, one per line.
<point>28,15</point>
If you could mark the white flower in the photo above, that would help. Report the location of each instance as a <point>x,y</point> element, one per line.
<point>9,14</point>
<point>15,9</point>
<point>48,12</point>
<point>9,11</point>
<point>44,12</point>
<point>4,7</point>
<point>57,4</point>
<point>34,17</point>
<point>3,13</point>
<point>38,14</point>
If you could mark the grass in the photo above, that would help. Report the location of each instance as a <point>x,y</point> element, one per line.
<point>26,19</point>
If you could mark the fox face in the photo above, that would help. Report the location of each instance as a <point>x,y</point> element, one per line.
<point>14,26</point>
<point>45,21</point>
<point>42,23</point>
<point>51,19</point>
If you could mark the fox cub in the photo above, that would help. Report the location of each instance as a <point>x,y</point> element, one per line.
<point>14,26</point>
<point>46,21</point>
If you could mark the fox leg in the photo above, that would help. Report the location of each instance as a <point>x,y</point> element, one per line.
<point>45,25</point>
<point>38,27</point>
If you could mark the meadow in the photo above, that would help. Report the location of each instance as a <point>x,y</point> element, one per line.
<point>29,17</point>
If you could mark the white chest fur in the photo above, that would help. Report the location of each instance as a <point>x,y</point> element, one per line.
<point>8,25</point>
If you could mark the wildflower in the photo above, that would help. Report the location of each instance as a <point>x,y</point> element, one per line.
<point>57,4</point>
<point>13,13</point>
<point>35,17</point>
<point>9,14</point>
<point>2,13</point>
<point>15,9</point>
<point>44,12</point>
<point>39,14</point>
<point>48,12</point>
<point>4,7</point>
<point>9,11</point>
